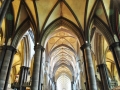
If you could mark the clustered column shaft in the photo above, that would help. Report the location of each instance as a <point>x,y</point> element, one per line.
<point>23,76</point>
<point>89,67</point>
<point>104,76</point>
<point>115,48</point>
<point>36,68</point>
<point>6,66</point>
<point>2,55</point>
<point>39,86</point>
<point>4,9</point>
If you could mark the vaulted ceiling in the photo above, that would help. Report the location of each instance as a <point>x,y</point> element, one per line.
<point>44,12</point>
<point>63,42</point>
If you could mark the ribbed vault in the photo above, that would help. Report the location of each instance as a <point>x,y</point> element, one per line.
<point>61,27</point>
<point>62,51</point>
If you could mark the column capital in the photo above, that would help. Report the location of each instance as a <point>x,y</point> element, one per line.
<point>39,47</point>
<point>11,48</point>
<point>3,47</point>
<point>23,67</point>
<point>85,45</point>
<point>100,65</point>
<point>79,60</point>
<point>114,45</point>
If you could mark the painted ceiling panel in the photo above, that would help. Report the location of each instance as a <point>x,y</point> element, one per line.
<point>107,6</point>
<point>54,15</point>
<point>22,15</point>
<point>89,8</point>
<point>52,42</point>
<point>65,50</point>
<point>100,13</point>
<point>62,62</point>
<point>32,9</point>
<point>43,8</point>
<point>78,7</point>
<point>62,41</point>
<point>72,41</point>
<point>63,69</point>
<point>62,53</point>
<point>66,59</point>
<point>67,14</point>
<point>16,5</point>
<point>62,38</point>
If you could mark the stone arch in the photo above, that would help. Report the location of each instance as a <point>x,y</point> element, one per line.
<point>104,30</point>
<point>20,32</point>
<point>27,52</point>
<point>63,22</point>
<point>64,46</point>
<point>68,66</point>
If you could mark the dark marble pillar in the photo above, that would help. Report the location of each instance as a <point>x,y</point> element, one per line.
<point>4,9</point>
<point>56,86</point>
<point>26,70</point>
<point>36,68</point>
<point>6,67</point>
<point>23,76</point>
<point>90,74</point>
<point>71,85</point>
<point>104,76</point>
<point>41,60</point>
<point>2,55</point>
<point>86,83</point>
<point>115,49</point>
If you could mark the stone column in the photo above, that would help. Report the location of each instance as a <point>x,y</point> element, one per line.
<point>56,86</point>
<point>85,68</point>
<point>41,60</point>
<point>104,76</point>
<point>36,68</point>
<point>26,73</point>
<point>4,9</point>
<point>82,81</point>
<point>92,85</point>
<point>80,74</point>
<point>6,66</point>
<point>115,49</point>
<point>46,76</point>
<point>71,85</point>
<point>23,77</point>
<point>2,55</point>
<point>45,84</point>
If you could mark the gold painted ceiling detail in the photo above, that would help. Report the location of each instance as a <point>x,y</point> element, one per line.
<point>63,44</point>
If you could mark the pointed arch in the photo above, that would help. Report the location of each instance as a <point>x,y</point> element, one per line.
<point>61,21</point>
<point>20,32</point>
<point>68,66</point>
<point>104,30</point>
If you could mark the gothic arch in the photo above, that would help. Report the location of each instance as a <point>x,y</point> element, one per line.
<point>63,22</point>
<point>20,32</point>
<point>104,29</point>
<point>69,66</point>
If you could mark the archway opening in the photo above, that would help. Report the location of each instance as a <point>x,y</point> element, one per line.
<point>63,82</point>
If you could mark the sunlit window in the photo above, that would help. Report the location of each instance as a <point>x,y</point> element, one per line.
<point>63,82</point>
